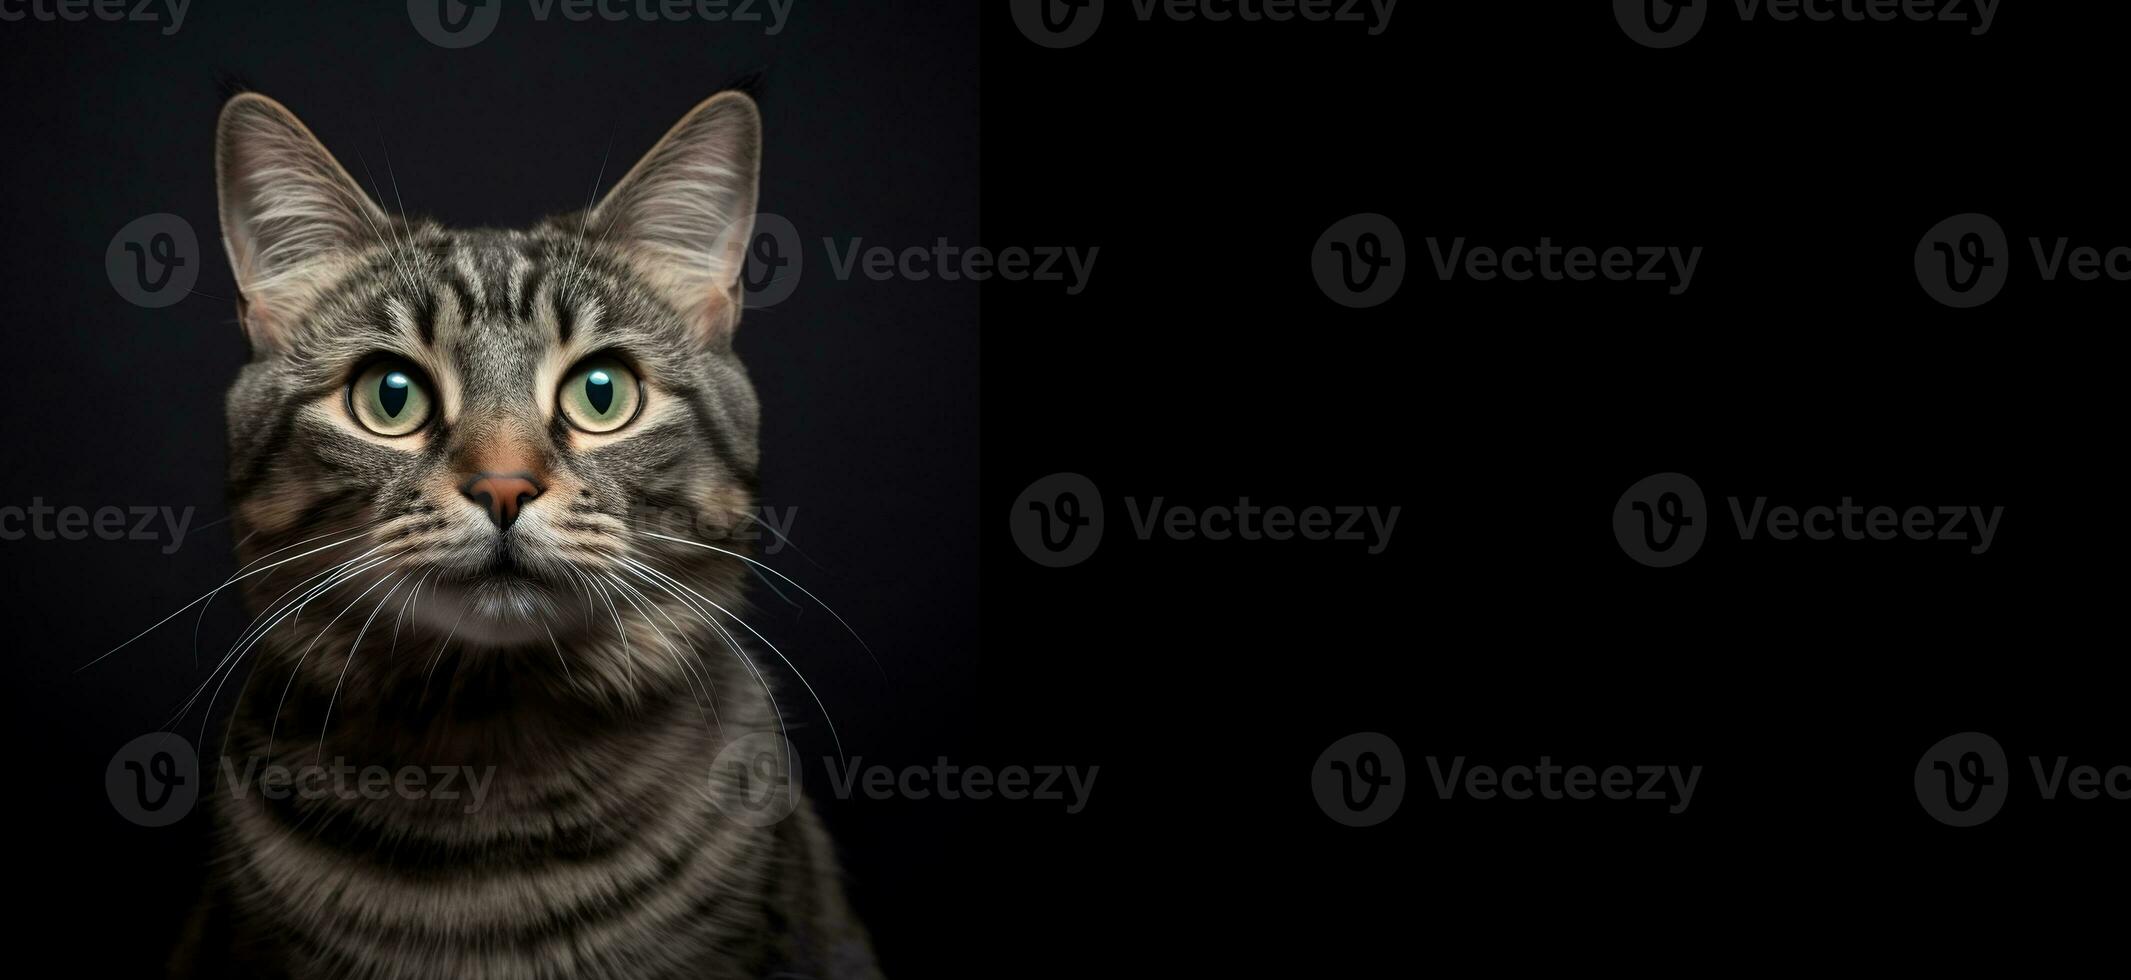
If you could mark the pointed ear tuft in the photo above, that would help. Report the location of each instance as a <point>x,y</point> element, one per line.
<point>687,210</point>
<point>291,214</point>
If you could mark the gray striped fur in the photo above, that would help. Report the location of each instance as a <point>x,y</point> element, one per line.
<point>589,681</point>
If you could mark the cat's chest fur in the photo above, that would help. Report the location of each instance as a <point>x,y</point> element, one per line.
<point>525,843</point>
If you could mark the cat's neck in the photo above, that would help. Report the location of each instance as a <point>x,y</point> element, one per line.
<point>530,731</point>
<point>524,810</point>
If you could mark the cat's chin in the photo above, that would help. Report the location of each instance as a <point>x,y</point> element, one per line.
<point>491,611</point>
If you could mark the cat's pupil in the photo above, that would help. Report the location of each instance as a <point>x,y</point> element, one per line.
<point>599,390</point>
<point>392,394</point>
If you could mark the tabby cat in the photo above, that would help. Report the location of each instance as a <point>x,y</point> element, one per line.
<point>442,454</point>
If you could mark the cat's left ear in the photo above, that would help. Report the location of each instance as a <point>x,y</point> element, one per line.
<point>687,211</point>
<point>292,217</point>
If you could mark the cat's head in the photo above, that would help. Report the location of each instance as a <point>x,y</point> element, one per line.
<point>508,430</point>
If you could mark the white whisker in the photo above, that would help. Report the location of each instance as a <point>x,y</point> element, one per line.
<point>210,594</point>
<point>765,642</point>
<point>817,599</point>
<point>274,728</point>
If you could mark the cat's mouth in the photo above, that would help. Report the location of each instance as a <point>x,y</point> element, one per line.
<point>505,604</point>
<point>505,568</point>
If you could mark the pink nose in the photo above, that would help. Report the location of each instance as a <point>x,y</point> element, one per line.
<point>502,494</point>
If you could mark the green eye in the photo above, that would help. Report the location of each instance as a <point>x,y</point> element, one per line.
<point>600,395</point>
<point>390,398</point>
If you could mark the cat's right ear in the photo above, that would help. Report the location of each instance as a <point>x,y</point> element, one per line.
<point>292,217</point>
<point>687,211</point>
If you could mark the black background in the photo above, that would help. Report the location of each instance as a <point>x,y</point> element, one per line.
<point>1203,363</point>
